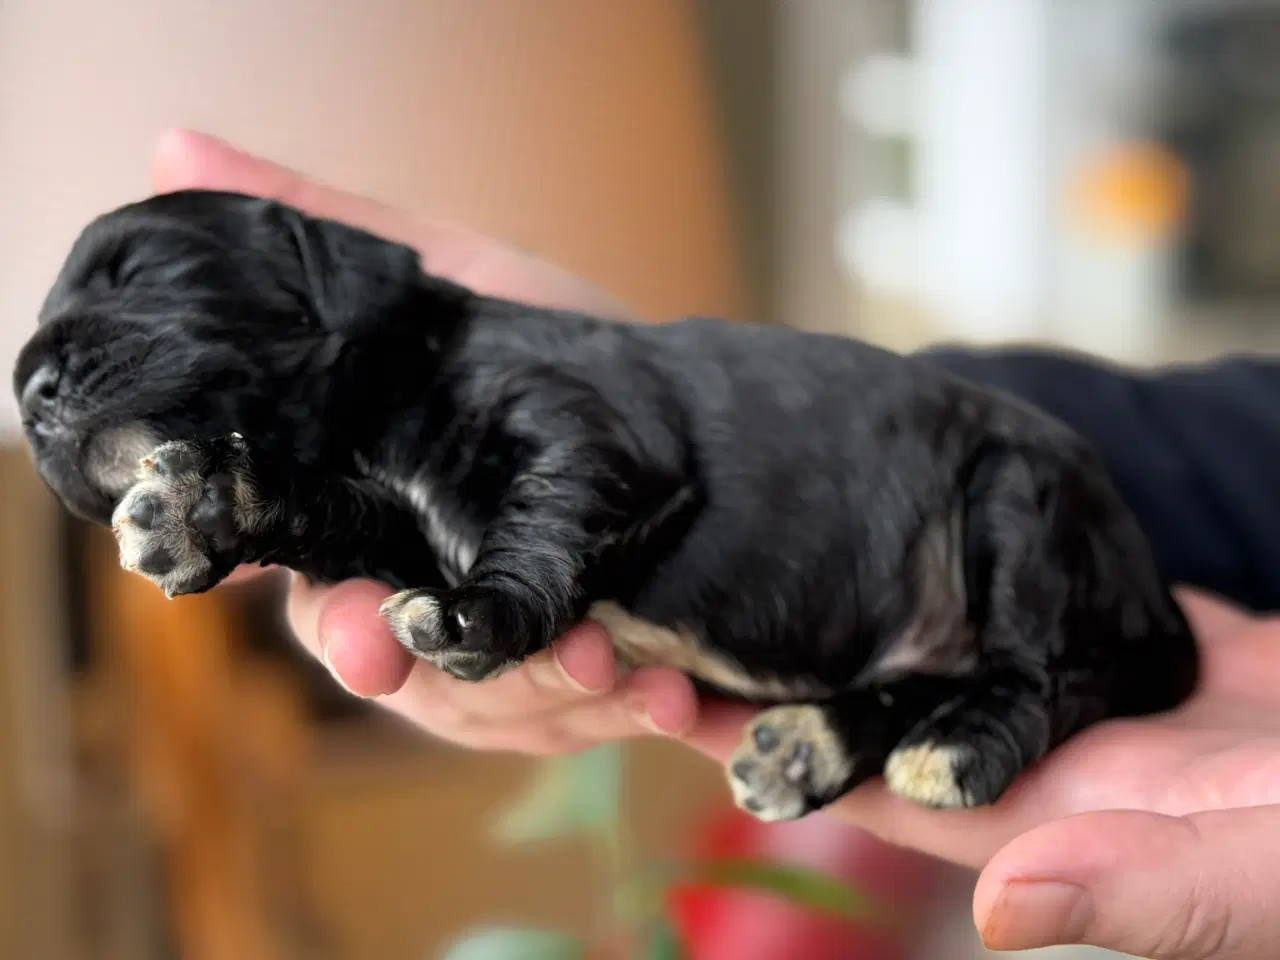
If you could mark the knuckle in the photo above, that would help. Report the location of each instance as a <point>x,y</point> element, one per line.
<point>454,721</point>
<point>1202,930</point>
<point>1203,925</point>
<point>544,675</point>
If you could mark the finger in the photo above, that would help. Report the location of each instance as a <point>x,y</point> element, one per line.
<point>1211,617</point>
<point>580,662</point>
<point>357,646</point>
<point>719,728</point>
<point>247,572</point>
<point>340,626</point>
<point>579,670</point>
<point>524,710</point>
<point>560,700</point>
<point>651,701</point>
<point>185,159</point>
<point>660,701</point>
<point>1169,888</point>
<point>1237,646</point>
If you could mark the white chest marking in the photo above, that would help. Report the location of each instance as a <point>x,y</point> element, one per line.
<point>938,638</point>
<point>641,643</point>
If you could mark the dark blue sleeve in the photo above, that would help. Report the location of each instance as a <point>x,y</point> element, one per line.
<point>1195,450</point>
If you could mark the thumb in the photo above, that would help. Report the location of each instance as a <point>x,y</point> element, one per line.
<point>187,159</point>
<point>1197,887</point>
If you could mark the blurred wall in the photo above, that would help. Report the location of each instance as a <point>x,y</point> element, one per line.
<point>38,808</point>
<point>741,50</point>
<point>578,129</point>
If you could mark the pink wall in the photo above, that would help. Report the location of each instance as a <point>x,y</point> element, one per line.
<point>575,128</point>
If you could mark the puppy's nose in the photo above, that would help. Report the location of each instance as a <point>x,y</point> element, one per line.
<point>40,394</point>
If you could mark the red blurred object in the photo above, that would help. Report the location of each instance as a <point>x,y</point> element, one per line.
<point>728,924</point>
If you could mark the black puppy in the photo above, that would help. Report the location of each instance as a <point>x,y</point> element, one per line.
<point>921,578</point>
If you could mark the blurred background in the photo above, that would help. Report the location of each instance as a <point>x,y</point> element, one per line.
<point>176,779</point>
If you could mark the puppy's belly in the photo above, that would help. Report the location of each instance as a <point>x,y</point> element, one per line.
<point>639,642</point>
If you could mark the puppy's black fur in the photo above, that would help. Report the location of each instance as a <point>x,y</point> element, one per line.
<point>918,576</point>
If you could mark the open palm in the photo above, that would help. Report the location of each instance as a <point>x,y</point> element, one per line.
<point>1221,749</point>
<point>1169,824</point>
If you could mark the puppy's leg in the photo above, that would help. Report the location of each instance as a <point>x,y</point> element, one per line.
<point>797,758</point>
<point>946,741</point>
<point>526,586</point>
<point>969,749</point>
<point>201,508</point>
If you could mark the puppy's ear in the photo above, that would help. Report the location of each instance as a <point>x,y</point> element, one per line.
<point>355,283</point>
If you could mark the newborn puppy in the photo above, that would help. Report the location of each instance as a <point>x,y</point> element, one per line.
<point>914,576</point>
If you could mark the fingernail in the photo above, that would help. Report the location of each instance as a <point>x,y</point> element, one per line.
<point>1037,913</point>
<point>569,678</point>
<point>328,665</point>
<point>641,714</point>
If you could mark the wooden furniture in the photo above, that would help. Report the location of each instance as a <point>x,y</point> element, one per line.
<point>216,743</point>
<point>38,808</point>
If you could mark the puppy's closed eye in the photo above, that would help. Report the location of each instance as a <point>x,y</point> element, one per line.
<point>914,576</point>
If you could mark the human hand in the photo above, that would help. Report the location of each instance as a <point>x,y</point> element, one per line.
<point>1201,780</point>
<point>566,698</point>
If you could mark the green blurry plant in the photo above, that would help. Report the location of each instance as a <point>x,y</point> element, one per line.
<point>581,795</point>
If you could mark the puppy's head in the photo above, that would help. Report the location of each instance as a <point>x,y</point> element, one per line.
<point>197,314</point>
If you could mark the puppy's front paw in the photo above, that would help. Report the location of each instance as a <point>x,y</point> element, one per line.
<point>180,524</point>
<point>941,775</point>
<point>789,763</point>
<point>459,631</point>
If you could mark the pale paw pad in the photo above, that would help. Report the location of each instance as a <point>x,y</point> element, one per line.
<point>789,763</point>
<point>177,525</point>
<point>932,774</point>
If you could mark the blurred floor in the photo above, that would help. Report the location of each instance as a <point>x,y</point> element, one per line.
<point>402,859</point>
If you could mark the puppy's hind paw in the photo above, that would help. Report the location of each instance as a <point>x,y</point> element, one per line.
<point>179,525</point>
<point>941,775</point>
<point>790,762</point>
